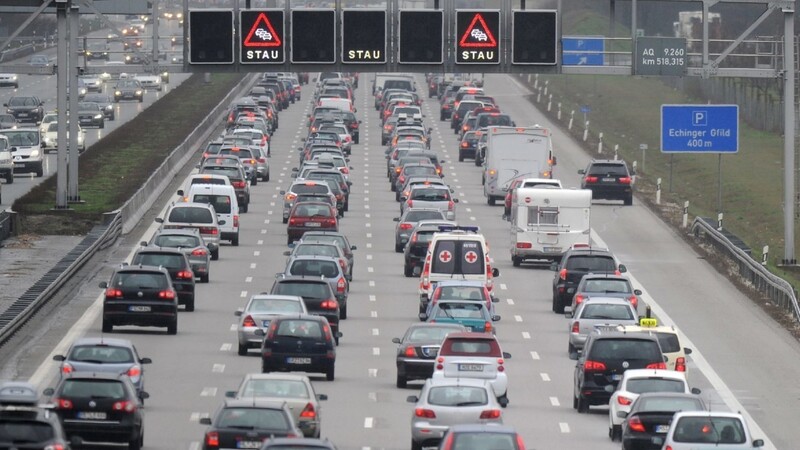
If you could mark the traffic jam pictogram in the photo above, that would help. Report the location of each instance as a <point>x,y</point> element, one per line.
<point>477,42</point>
<point>263,43</point>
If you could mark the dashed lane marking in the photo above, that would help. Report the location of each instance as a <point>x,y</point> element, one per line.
<point>226,347</point>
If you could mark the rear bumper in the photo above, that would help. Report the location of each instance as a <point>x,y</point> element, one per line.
<point>101,431</point>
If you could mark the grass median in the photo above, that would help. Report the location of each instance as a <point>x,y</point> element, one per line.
<point>114,168</point>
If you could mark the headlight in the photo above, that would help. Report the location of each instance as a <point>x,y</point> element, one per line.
<point>127,58</point>
<point>117,93</point>
<point>47,141</point>
<point>138,92</point>
<point>109,108</point>
<point>14,78</point>
<point>34,153</point>
<point>165,74</point>
<point>98,116</point>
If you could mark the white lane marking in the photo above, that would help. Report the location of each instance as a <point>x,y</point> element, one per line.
<point>234,327</point>
<point>218,368</point>
<point>366,191</point>
<point>526,335</point>
<point>366,199</point>
<point>372,298</point>
<point>208,392</point>
<point>226,347</point>
<point>554,401</point>
<point>264,231</point>
<point>376,331</point>
<point>369,235</point>
<point>371,283</point>
<point>535,356</point>
<point>510,301</point>
<point>373,373</point>
<point>196,416</point>
<point>260,242</point>
<point>367,224</point>
<point>253,265</point>
<point>243,294</point>
<point>373,314</point>
<point>464,201</point>
<point>369,257</point>
<point>248,280</point>
<point>370,269</point>
<point>194,445</point>
<point>376,351</point>
<point>368,421</point>
<point>472,218</point>
<point>369,245</point>
<point>257,253</point>
<point>503,286</point>
<point>564,427</point>
<point>266,221</point>
<point>518,318</point>
<point>374,397</point>
<point>469,209</point>
<point>545,377</point>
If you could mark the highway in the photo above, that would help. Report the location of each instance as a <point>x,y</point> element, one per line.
<point>44,86</point>
<point>741,359</point>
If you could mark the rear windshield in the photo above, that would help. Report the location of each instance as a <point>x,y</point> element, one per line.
<point>608,169</point>
<point>313,249</point>
<point>488,120</point>
<point>176,240</point>
<point>101,354</point>
<point>424,237</point>
<point>592,263</point>
<point>642,385</point>
<point>191,215</point>
<point>460,293</point>
<point>669,404</point>
<point>430,195</point>
<point>273,305</point>
<point>221,203</point>
<point>458,257</point>
<point>430,333</point>
<point>140,280</point>
<point>310,188</point>
<point>607,312</point>
<point>252,418</point>
<point>314,268</point>
<point>471,347</point>
<point>230,172</point>
<point>299,328</point>
<point>459,311</point>
<point>626,349</point>
<point>274,388</point>
<point>419,170</point>
<point>669,342</point>
<point>311,209</point>
<point>21,138</point>
<point>303,289</point>
<point>170,261</point>
<point>29,432</point>
<point>494,441</point>
<point>712,430</point>
<point>241,153</point>
<point>457,396</point>
<point>416,216</point>
<point>398,84</point>
<point>82,388</point>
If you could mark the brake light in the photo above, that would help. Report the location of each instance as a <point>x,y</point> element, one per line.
<point>293,221</point>
<point>327,333</point>
<point>410,203</point>
<point>446,106</point>
<point>406,225</point>
<point>492,172</point>
<point>55,447</point>
<point>167,294</point>
<point>487,327</point>
<point>464,144</point>
<point>401,179</point>
<point>199,252</point>
<point>113,293</point>
<point>397,170</point>
<point>625,180</point>
<point>340,285</point>
<point>248,321</point>
<point>563,274</point>
<point>329,304</point>
<point>490,414</point>
<point>62,403</point>
<point>590,179</point>
<point>579,298</point>
<point>209,230</point>
<point>658,365</point>
<point>624,401</point>
<point>308,412</point>
<point>212,439</point>
<point>185,275</point>
<point>520,443</point>
<point>252,161</point>
<point>465,128</point>
<point>134,372</point>
<point>67,368</point>
<point>636,425</point>
<point>451,205</point>
<point>634,301</point>
<point>680,364</point>
<point>591,366</point>
<point>439,365</point>
<point>236,221</point>
<point>344,169</point>
<point>124,405</point>
<point>448,443</point>
<point>426,413</point>
<point>438,171</point>
<point>331,221</point>
<point>576,327</point>
<point>271,333</point>
<point>524,245</point>
<point>410,352</point>
<point>290,197</point>
<point>239,184</point>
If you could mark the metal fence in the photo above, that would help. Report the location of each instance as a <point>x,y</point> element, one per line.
<point>779,291</point>
<point>6,225</point>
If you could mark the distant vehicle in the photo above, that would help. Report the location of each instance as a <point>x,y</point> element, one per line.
<point>513,152</point>
<point>9,79</point>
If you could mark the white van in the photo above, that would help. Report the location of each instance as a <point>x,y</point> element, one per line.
<point>515,152</point>
<point>223,198</point>
<point>547,221</point>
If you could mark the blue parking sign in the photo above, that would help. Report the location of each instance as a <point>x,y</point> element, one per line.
<point>699,128</point>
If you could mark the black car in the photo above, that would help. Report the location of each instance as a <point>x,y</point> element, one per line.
<point>97,50</point>
<point>468,146</point>
<point>317,295</point>
<point>338,238</point>
<point>25,108</point>
<point>128,90</point>
<point>236,174</point>
<point>90,115</point>
<point>140,295</point>
<point>99,407</point>
<point>246,423</point>
<point>651,415</point>
<point>105,102</point>
<point>25,423</point>
<point>299,343</point>
<point>416,248</point>
<point>605,358</point>
<point>177,264</point>
<point>608,180</point>
<point>417,350</point>
<point>575,263</point>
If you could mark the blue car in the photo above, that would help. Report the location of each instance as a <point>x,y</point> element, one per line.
<point>471,314</point>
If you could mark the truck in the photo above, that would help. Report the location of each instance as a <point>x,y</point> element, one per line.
<point>546,221</point>
<point>515,152</point>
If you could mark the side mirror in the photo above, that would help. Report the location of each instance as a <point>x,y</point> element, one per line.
<point>758,443</point>
<point>503,401</point>
<point>412,399</point>
<point>455,200</point>
<point>59,358</point>
<point>158,220</point>
<point>282,192</point>
<point>143,244</point>
<point>696,391</point>
<point>103,285</point>
<point>287,253</point>
<point>622,268</point>
<point>295,169</point>
<point>506,355</point>
<point>49,391</point>
<point>442,162</point>
<point>238,313</point>
<point>573,356</point>
<point>633,173</point>
<point>622,414</point>
<point>394,341</point>
<point>568,313</point>
<point>396,219</point>
<point>403,198</point>
<point>144,395</point>
<point>205,421</point>
<point>145,361</point>
<point>230,394</point>
<point>339,334</point>
<point>423,317</point>
<point>495,318</point>
<point>687,351</point>
<point>259,332</point>
<point>495,272</point>
<point>582,171</point>
<point>180,192</point>
<point>322,397</point>
<point>637,292</point>
<point>495,299</point>
<point>349,183</point>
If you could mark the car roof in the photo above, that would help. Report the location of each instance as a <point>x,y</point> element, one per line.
<point>606,300</point>
<point>100,340</point>
<point>471,283</point>
<point>184,231</point>
<point>300,442</point>
<point>478,428</point>
<point>276,376</point>
<point>94,376</point>
<point>654,373</point>
<point>301,278</point>
<point>254,402</point>
<point>158,249</point>
<point>452,381</point>
<point>471,336</point>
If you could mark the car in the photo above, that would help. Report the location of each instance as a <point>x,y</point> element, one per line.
<point>303,443</point>
<point>481,437</point>
<point>608,180</point>
<point>200,216</point>
<point>25,108</point>
<point>246,423</point>
<point>413,169</point>
<point>700,430</point>
<point>468,145</point>
<point>473,315</point>
<point>99,407</point>
<point>128,89</point>
<point>474,355</point>
<point>444,402</point>
<point>142,296</point>
<point>92,83</point>
<point>9,79</point>
<point>412,182</point>
<point>39,61</point>
<point>296,390</point>
<point>236,173</point>
<point>575,263</point>
<point>596,312</point>
<point>190,243</point>
<point>258,314</point>
<point>8,121</point>
<point>149,81</point>
<point>105,102</point>
<point>409,218</point>
<point>605,285</point>
<point>670,341</point>
<point>226,206</point>
<point>639,381</point>
<point>177,264</point>
<point>311,246</point>
<point>430,197</point>
<point>647,422</point>
<point>474,291</point>
<point>107,355</point>
<point>24,420</point>
<point>90,115</point>
<point>97,50</point>
<point>338,238</point>
<point>50,138</point>
<point>26,145</point>
<point>310,216</point>
<point>334,175</point>
<point>607,354</point>
<point>299,343</point>
<point>317,295</point>
<point>331,269</point>
<point>417,246</point>
<point>299,187</point>
<point>418,348</point>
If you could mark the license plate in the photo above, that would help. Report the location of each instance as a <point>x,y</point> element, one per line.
<point>249,444</point>
<point>616,377</point>
<point>662,428</point>
<point>92,415</point>
<point>139,308</point>
<point>291,360</point>
<point>22,114</point>
<point>470,368</point>
<point>609,179</point>
<point>265,323</point>
<point>313,224</point>
<point>552,249</point>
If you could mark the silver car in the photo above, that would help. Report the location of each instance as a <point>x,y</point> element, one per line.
<point>445,402</point>
<point>605,285</point>
<point>407,221</point>
<point>190,241</point>
<point>427,196</point>
<point>598,312</point>
<point>258,313</point>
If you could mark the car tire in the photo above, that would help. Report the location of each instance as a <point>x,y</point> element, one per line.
<point>460,157</point>
<point>615,432</point>
<point>401,381</point>
<point>330,374</point>
<point>336,340</point>
<point>558,305</point>
<point>102,125</point>
<point>398,248</point>
<point>245,207</point>
<point>190,305</point>
<point>343,312</point>
<point>408,271</point>
<point>107,327</point>
<point>285,220</point>
<point>215,255</point>
<point>242,350</point>
<point>10,177</point>
<point>204,278</point>
<point>571,349</point>
<point>355,139</point>
<point>39,172</point>
<point>490,200</point>
<point>477,162</point>
<point>235,240</point>
<point>113,117</point>
<point>583,405</point>
<point>136,443</point>
<point>628,200</point>
<point>416,445</point>
<point>141,99</point>
<point>516,261</point>
<point>264,368</point>
<point>255,181</point>
<point>289,240</point>
<point>172,328</point>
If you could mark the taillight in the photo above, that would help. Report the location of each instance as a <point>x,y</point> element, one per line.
<point>326,331</point>
<point>624,401</point>
<point>490,414</point>
<point>465,128</point>
<point>397,170</point>
<point>426,413</point>
<point>451,205</point>
<point>290,197</point>
<point>167,294</point>
<point>340,285</point>
<point>500,367</point>
<point>590,179</point>
<point>344,169</point>
<point>401,179</point>
<point>590,365</point>
<point>464,144</point>
<point>438,171</point>
<point>293,221</point>
<point>658,365</point>
<point>248,321</point>
<point>308,412</point>
<point>199,252</point>
<point>406,225</point>
<point>448,443</point>
<point>62,403</point>
<point>410,203</point>
<point>520,443</point>
<point>680,364</point>
<point>579,298</point>
<point>239,184</point>
<point>635,425</point>
<point>487,327</point>
<point>252,161</point>
<point>212,439</point>
<point>67,368</point>
<point>185,275</point>
<point>410,352</point>
<point>124,405</point>
<point>625,180</point>
<point>524,245</point>
<point>576,327</point>
<point>236,221</point>
<point>134,372</point>
<point>271,330</point>
<point>54,447</point>
<point>329,304</point>
<point>634,301</point>
<point>439,365</point>
<point>113,293</point>
<point>331,221</point>
<point>563,274</point>
<point>209,230</point>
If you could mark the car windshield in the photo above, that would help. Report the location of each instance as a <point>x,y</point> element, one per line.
<point>711,430</point>
<point>101,354</point>
<point>430,333</point>
<point>176,240</point>
<point>473,347</point>
<point>416,216</point>
<point>419,170</point>
<point>88,106</point>
<point>304,289</point>
<point>229,171</point>
<point>221,203</point>
<point>25,431</point>
<point>312,210</point>
<point>311,188</point>
<point>592,263</point>
<point>96,388</point>
<point>252,418</point>
<point>607,286</point>
<point>274,388</point>
<point>168,260</point>
<point>459,311</point>
<point>430,195</point>
<point>603,311</point>
<point>22,138</point>
<point>669,342</point>
<point>127,84</point>
<point>626,349</point>
<point>315,268</point>
<point>642,385</point>
<point>316,249</point>
<point>484,440</point>
<point>460,293</point>
<point>608,169</point>
<point>669,404</point>
<point>140,280</point>
<point>191,215</point>
<point>457,396</point>
<point>299,328</point>
<point>22,101</point>
<point>272,305</point>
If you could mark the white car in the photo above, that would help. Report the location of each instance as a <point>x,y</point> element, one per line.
<point>9,79</point>
<point>50,136</point>
<point>639,381</point>
<point>699,430</point>
<point>474,355</point>
<point>92,83</point>
<point>149,81</point>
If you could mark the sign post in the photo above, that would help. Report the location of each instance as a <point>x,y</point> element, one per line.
<point>660,56</point>
<point>313,36</point>
<point>582,51</point>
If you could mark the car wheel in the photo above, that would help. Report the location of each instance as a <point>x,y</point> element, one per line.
<point>583,405</point>
<point>215,255</point>
<point>516,261</point>
<point>285,220</point>
<point>571,349</point>
<point>343,312</point>
<point>628,200</point>
<point>401,381</point>
<point>615,432</point>
<point>242,350</point>
<point>204,278</point>
<point>416,445</point>
<point>264,368</point>
<point>355,139</point>
<point>460,157</point>
<point>329,374</point>
<point>255,181</point>
<point>141,99</point>
<point>245,207</point>
<point>102,125</point>
<point>490,200</point>
<point>107,327</point>
<point>190,305</point>
<point>558,305</point>
<point>172,328</point>
<point>336,340</point>
<point>113,117</point>
<point>136,443</point>
<point>408,270</point>
<point>289,240</point>
<point>235,240</point>
<point>40,172</point>
<point>10,177</point>
<point>398,248</point>
<point>477,162</point>
<point>503,400</point>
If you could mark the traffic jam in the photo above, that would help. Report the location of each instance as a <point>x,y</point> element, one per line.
<point>451,364</point>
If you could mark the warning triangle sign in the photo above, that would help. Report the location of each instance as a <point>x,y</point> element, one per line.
<point>262,34</point>
<point>478,34</point>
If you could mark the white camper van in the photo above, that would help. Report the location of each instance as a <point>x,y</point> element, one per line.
<point>546,222</point>
<point>515,152</point>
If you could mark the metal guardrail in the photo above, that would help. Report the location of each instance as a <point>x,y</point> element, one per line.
<point>779,291</point>
<point>6,225</point>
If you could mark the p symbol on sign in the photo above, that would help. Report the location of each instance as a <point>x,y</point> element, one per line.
<point>699,118</point>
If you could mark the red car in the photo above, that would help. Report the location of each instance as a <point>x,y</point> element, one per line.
<point>509,195</point>
<point>314,216</point>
